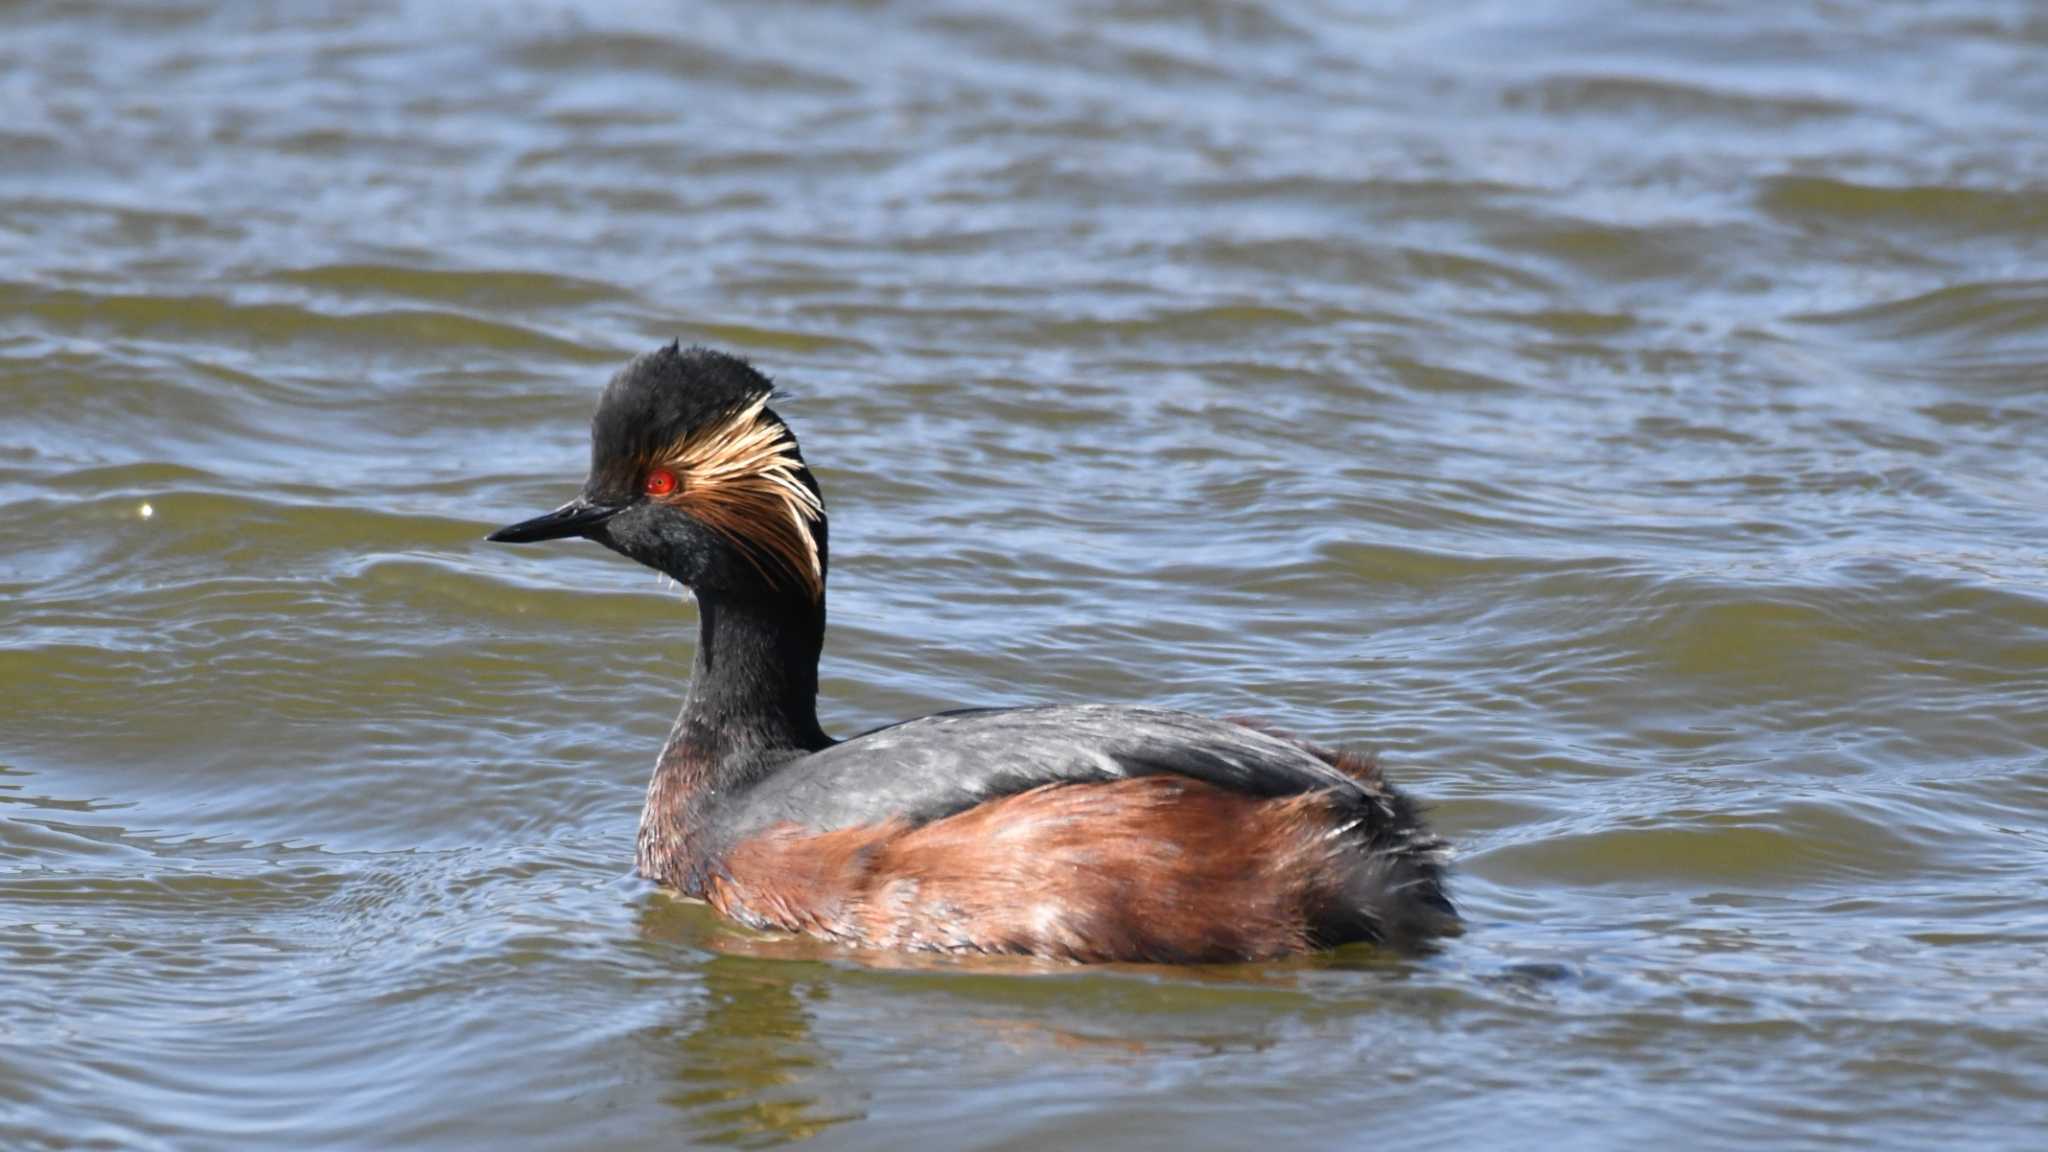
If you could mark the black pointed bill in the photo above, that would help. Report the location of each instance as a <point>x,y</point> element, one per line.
<point>572,519</point>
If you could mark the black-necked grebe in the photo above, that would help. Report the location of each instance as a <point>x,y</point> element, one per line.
<point>1083,832</point>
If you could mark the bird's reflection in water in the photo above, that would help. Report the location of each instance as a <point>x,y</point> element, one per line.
<point>749,1071</point>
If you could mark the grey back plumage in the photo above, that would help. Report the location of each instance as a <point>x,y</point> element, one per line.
<point>935,766</point>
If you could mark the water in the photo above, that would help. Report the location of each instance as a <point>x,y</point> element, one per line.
<point>1631,422</point>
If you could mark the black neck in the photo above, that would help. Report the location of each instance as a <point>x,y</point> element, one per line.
<point>754,686</point>
<point>752,704</point>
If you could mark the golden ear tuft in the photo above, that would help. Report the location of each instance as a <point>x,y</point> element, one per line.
<point>741,478</point>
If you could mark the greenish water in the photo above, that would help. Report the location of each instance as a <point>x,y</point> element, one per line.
<point>1629,419</point>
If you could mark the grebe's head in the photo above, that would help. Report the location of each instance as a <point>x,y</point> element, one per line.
<point>692,474</point>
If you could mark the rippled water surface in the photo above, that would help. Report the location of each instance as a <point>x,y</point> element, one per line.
<point>1630,420</point>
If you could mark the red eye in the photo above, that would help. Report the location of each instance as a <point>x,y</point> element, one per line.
<point>661,482</point>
